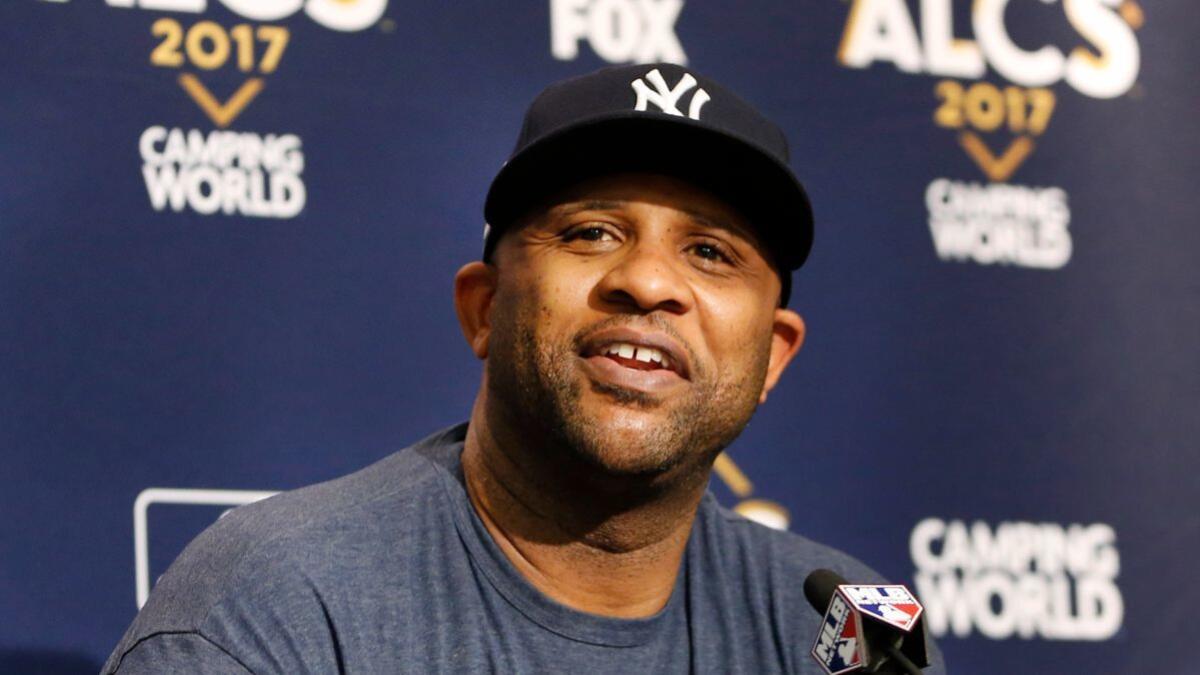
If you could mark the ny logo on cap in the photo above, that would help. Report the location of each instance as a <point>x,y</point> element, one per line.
<point>667,98</point>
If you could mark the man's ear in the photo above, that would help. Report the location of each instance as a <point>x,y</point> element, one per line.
<point>474,288</point>
<point>787,335</point>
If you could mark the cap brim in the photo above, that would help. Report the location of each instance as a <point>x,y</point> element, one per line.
<point>758,185</point>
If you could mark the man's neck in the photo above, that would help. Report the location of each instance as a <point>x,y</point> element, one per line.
<point>591,549</point>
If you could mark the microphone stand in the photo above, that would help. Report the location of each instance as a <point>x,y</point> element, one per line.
<point>903,661</point>
<point>892,656</point>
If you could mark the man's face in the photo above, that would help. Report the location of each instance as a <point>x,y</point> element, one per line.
<point>632,324</point>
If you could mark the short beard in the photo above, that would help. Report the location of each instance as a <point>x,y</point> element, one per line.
<point>538,390</point>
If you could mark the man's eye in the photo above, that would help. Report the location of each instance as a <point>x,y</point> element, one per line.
<point>710,252</point>
<point>592,233</point>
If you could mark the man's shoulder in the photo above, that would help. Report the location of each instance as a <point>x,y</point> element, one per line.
<point>385,495</point>
<point>273,557</point>
<point>764,569</point>
<point>789,555</point>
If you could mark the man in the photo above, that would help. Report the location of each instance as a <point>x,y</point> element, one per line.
<point>631,313</point>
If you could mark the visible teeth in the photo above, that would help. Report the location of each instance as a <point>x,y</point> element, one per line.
<point>637,352</point>
<point>650,355</point>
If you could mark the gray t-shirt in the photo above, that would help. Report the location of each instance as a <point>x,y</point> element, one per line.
<point>389,570</point>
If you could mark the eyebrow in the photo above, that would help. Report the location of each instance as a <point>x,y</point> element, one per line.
<point>743,231</point>
<point>589,205</point>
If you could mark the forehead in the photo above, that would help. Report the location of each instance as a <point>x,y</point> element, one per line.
<point>613,192</point>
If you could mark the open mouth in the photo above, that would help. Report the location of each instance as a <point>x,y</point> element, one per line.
<point>639,358</point>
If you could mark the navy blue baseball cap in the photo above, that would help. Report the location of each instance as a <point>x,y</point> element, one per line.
<point>656,118</point>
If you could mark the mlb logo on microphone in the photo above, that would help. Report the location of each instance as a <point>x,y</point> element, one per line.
<point>838,648</point>
<point>893,605</point>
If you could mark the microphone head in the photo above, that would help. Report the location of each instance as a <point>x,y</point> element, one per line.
<point>819,587</point>
<point>867,628</point>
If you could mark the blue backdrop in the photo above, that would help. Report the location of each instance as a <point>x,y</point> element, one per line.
<point>228,230</point>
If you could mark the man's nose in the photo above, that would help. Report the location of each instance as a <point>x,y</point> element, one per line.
<point>647,277</point>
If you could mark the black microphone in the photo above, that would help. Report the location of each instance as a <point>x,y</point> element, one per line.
<point>866,628</point>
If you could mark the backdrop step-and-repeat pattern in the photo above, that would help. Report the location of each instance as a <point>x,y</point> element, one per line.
<point>228,230</point>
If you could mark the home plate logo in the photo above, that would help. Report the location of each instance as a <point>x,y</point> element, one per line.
<point>838,648</point>
<point>893,605</point>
